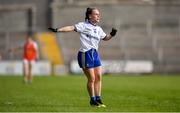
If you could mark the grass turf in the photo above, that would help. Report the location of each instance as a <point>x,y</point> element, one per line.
<point>68,94</point>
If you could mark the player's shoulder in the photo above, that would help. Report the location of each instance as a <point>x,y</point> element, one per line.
<point>34,43</point>
<point>81,23</point>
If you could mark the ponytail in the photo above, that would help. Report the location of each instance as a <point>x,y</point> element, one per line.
<point>88,12</point>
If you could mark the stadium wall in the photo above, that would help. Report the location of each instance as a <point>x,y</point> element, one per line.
<point>40,68</point>
<point>146,30</point>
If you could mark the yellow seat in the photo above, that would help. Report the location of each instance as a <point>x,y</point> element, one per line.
<point>50,48</point>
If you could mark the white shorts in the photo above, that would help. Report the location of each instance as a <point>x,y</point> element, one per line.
<point>25,61</point>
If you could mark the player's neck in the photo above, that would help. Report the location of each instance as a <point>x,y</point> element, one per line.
<point>93,23</point>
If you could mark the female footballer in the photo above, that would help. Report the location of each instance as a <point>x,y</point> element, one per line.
<point>88,57</point>
<point>30,55</point>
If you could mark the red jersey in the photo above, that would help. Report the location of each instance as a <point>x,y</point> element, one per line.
<point>30,50</point>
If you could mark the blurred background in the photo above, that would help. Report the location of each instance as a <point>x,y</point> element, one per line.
<point>148,38</point>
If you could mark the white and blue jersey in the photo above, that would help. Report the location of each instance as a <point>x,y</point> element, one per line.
<point>90,36</point>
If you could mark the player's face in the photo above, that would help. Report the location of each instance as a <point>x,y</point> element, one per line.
<point>94,16</point>
<point>29,39</point>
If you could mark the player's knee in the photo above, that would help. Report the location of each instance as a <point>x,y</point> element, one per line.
<point>91,80</point>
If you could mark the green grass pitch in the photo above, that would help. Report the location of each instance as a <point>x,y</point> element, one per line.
<point>68,94</point>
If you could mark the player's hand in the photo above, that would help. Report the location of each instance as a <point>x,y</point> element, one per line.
<point>53,29</point>
<point>113,32</point>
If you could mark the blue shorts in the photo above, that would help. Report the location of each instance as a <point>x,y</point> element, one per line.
<point>89,59</point>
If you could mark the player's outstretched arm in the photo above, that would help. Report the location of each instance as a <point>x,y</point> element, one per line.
<point>112,34</point>
<point>62,29</point>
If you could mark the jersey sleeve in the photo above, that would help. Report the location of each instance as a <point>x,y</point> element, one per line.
<point>102,33</point>
<point>79,27</point>
<point>35,45</point>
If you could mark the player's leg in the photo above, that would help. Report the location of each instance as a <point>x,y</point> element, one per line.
<point>25,71</point>
<point>97,85</point>
<point>30,71</point>
<point>90,85</point>
<point>90,80</point>
<point>98,74</point>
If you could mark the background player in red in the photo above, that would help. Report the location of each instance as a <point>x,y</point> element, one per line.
<point>30,55</point>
